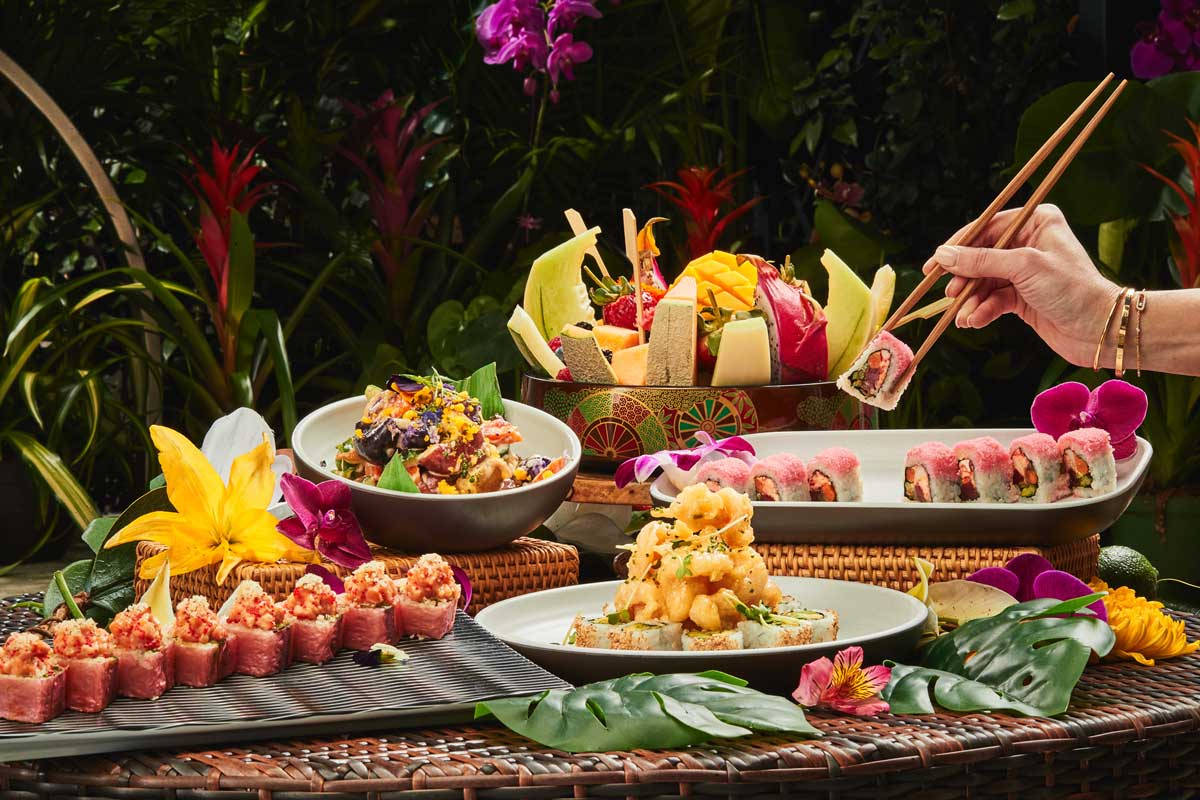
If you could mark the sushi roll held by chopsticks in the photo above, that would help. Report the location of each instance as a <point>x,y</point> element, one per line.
<point>880,374</point>
<point>1087,455</point>
<point>931,474</point>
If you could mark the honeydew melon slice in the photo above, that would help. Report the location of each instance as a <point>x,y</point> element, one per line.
<point>531,344</point>
<point>555,294</point>
<point>849,311</point>
<point>883,291</point>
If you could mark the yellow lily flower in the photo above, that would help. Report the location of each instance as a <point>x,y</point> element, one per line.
<point>213,522</point>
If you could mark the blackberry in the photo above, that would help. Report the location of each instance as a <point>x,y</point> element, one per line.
<point>608,354</point>
<point>587,326</point>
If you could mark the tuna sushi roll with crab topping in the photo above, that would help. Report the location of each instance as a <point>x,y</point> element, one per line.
<point>834,477</point>
<point>874,377</point>
<point>262,630</point>
<point>86,652</point>
<point>1037,471</point>
<point>33,684</point>
<point>725,472</point>
<point>317,630</point>
<point>205,652</point>
<point>368,607</point>
<point>1087,457</point>
<point>427,600</point>
<point>145,653</point>
<point>931,474</point>
<point>780,477</point>
<point>616,631</point>
<point>984,471</point>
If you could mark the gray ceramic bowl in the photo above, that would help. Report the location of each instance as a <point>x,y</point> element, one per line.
<point>417,523</point>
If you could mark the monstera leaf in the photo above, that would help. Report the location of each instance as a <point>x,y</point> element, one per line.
<point>644,710</point>
<point>1026,659</point>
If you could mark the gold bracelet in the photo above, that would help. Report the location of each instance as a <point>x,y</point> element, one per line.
<point>1137,336</point>
<point>1124,326</point>
<point>1104,332</point>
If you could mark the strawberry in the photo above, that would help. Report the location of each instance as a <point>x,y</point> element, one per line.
<point>555,343</point>
<point>564,374</point>
<point>618,305</point>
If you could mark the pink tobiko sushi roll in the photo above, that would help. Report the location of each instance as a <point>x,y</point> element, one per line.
<point>262,631</point>
<point>780,477</point>
<point>875,376</point>
<point>205,651</point>
<point>427,600</point>
<point>931,474</point>
<point>732,473</point>
<point>834,476</point>
<point>33,684</point>
<point>317,631</point>
<point>369,614</point>
<point>145,654</point>
<point>1037,472</point>
<point>1087,456</point>
<point>86,652</point>
<point>984,471</point>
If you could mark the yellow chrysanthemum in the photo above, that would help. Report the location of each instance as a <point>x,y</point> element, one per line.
<point>1143,631</point>
<point>213,523</point>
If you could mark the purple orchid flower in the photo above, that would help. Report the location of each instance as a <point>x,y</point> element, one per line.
<point>323,520</point>
<point>1031,577</point>
<point>464,582</point>
<point>564,55</point>
<point>1115,406</point>
<point>678,463</point>
<point>1170,43</point>
<point>565,14</point>
<point>526,48</point>
<point>328,576</point>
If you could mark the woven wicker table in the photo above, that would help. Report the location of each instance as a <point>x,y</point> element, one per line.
<point>1132,732</point>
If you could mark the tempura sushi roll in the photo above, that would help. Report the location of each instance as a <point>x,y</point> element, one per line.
<point>713,640</point>
<point>874,377</point>
<point>795,627</point>
<point>1087,457</point>
<point>984,471</point>
<point>205,652</point>
<point>368,607</point>
<point>725,472</point>
<point>1037,471</point>
<point>317,625</point>
<point>780,477</point>
<point>86,652</point>
<point>33,684</point>
<point>616,632</point>
<point>427,598</point>
<point>262,629</point>
<point>145,654</point>
<point>834,477</point>
<point>931,474</point>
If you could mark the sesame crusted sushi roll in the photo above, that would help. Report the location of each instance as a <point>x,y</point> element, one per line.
<point>875,376</point>
<point>317,630</point>
<point>781,477</point>
<point>616,632</point>
<point>145,654</point>
<point>263,631</point>
<point>834,477</point>
<point>33,684</point>
<point>1087,456</point>
<point>713,640</point>
<point>725,472</point>
<point>86,652</point>
<point>205,652</point>
<point>368,607</point>
<point>427,598</point>
<point>764,628</point>
<point>1037,473</point>
<point>984,471</point>
<point>931,474</point>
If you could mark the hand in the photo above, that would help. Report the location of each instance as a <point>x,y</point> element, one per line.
<point>1045,277</point>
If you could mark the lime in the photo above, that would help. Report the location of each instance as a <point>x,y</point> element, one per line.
<point>1124,566</point>
<point>555,294</point>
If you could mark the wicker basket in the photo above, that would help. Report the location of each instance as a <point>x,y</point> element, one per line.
<point>527,565</point>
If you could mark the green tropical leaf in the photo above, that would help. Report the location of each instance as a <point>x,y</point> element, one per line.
<point>484,385</point>
<point>98,532</point>
<point>647,711</point>
<point>395,476</point>
<point>241,268</point>
<point>50,467</point>
<point>267,322</point>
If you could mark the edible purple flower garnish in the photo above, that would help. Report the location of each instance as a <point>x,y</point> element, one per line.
<point>464,582</point>
<point>1115,406</point>
<point>331,580</point>
<point>323,520</point>
<point>404,383</point>
<point>678,463</point>
<point>380,653</point>
<point>1031,577</point>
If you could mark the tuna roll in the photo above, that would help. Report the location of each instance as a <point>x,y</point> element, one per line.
<point>317,629</point>
<point>725,472</point>
<point>145,654</point>
<point>874,377</point>
<point>1037,472</point>
<point>205,652</point>
<point>369,614</point>
<point>931,474</point>
<point>780,477</point>
<point>427,600</point>
<point>262,629</point>
<point>86,652</point>
<point>33,684</point>
<point>984,471</point>
<point>1087,456</point>
<point>834,477</point>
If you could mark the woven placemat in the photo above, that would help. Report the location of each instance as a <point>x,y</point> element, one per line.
<point>527,565</point>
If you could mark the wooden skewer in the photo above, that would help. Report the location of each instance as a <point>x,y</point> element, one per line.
<point>631,252</point>
<point>575,220</point>
<point>1000,202</point>
<point>1021,218</point>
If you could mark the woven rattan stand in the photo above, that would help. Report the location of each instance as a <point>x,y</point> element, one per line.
<point>1131,732</point>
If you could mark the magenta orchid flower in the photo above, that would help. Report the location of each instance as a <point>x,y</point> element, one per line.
<point>564,55</point>
<point>679,463</point>
<point>323,520</point>
<point>1031,577</point>
<point>1115,406</point>
<point>328,576</point>
<point>843,684</point>
<point>565,14</point>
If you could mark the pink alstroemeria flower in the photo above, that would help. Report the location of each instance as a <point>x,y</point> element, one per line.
<point>323,521</point>
<point>1115,406</point>
<point>1031,577</point>
<point>843,684</point>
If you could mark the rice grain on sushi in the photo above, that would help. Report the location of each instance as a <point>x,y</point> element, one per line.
<point>33,684</point>
<point>427,598</point>
<point>145,654</point>
<point>713,640</point>
<point>262,630</point>
<point>369,614</point>
<point>86,652</point>
<point>1037,471</point>
<point>931,474</point>
<point>984,471</point>
<point>779,477</point>
<point>875,376</point>
<point>834,476</point>
<point>205,651</point>
<point>732,473</point>
<point>317,625</point>
<point>1087,457</point>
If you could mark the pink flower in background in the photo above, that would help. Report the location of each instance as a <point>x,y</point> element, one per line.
<point>1031,577</point>
<point>565,54</point>
<point>566,14</point>
<point>843,684</point>
<point>1170,44</point>
<point>1115,406</point>
<point>521,32</point>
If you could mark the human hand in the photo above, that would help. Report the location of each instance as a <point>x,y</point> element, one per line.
<point>1045,277</point>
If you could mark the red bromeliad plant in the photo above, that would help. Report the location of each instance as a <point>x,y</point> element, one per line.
<point>701,200</point>
<point>1187,251</point>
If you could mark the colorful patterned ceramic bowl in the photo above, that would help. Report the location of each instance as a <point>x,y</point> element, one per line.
<point>619,422</point>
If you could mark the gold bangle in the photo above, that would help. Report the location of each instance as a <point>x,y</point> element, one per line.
<point>1121,329</point>
<point>1137,336</point>
<point>1104,332</point>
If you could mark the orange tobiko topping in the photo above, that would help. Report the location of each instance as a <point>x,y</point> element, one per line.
<point>430,579</point>
<point>197,623</point>
<point>27,655</point>
<point>135,628</point>
<point>81,638</point>
<point>311,598</point>
<point>370,586</point>
<point>254,608</point>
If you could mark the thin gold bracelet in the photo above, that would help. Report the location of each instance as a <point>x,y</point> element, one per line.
<point>1137,336</point>
<point>1104,332</point>
<point>1121,329</point>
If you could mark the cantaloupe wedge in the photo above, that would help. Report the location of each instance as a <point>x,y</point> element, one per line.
<point>614,338</point>
<point>555,294</point>
<point>630,365</point>
<point>850,313</point>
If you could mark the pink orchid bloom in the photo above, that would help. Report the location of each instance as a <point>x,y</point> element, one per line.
<point>843,684</point>
<point>1115,406</point>
<point>564,55</point>
<point>1029,576</point>
<point>323,521</point>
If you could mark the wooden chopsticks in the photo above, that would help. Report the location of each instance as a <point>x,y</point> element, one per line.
<point>970,234</point>
<point>1039,194</point>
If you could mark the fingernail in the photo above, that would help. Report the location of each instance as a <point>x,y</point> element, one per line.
<point>946,256</point>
